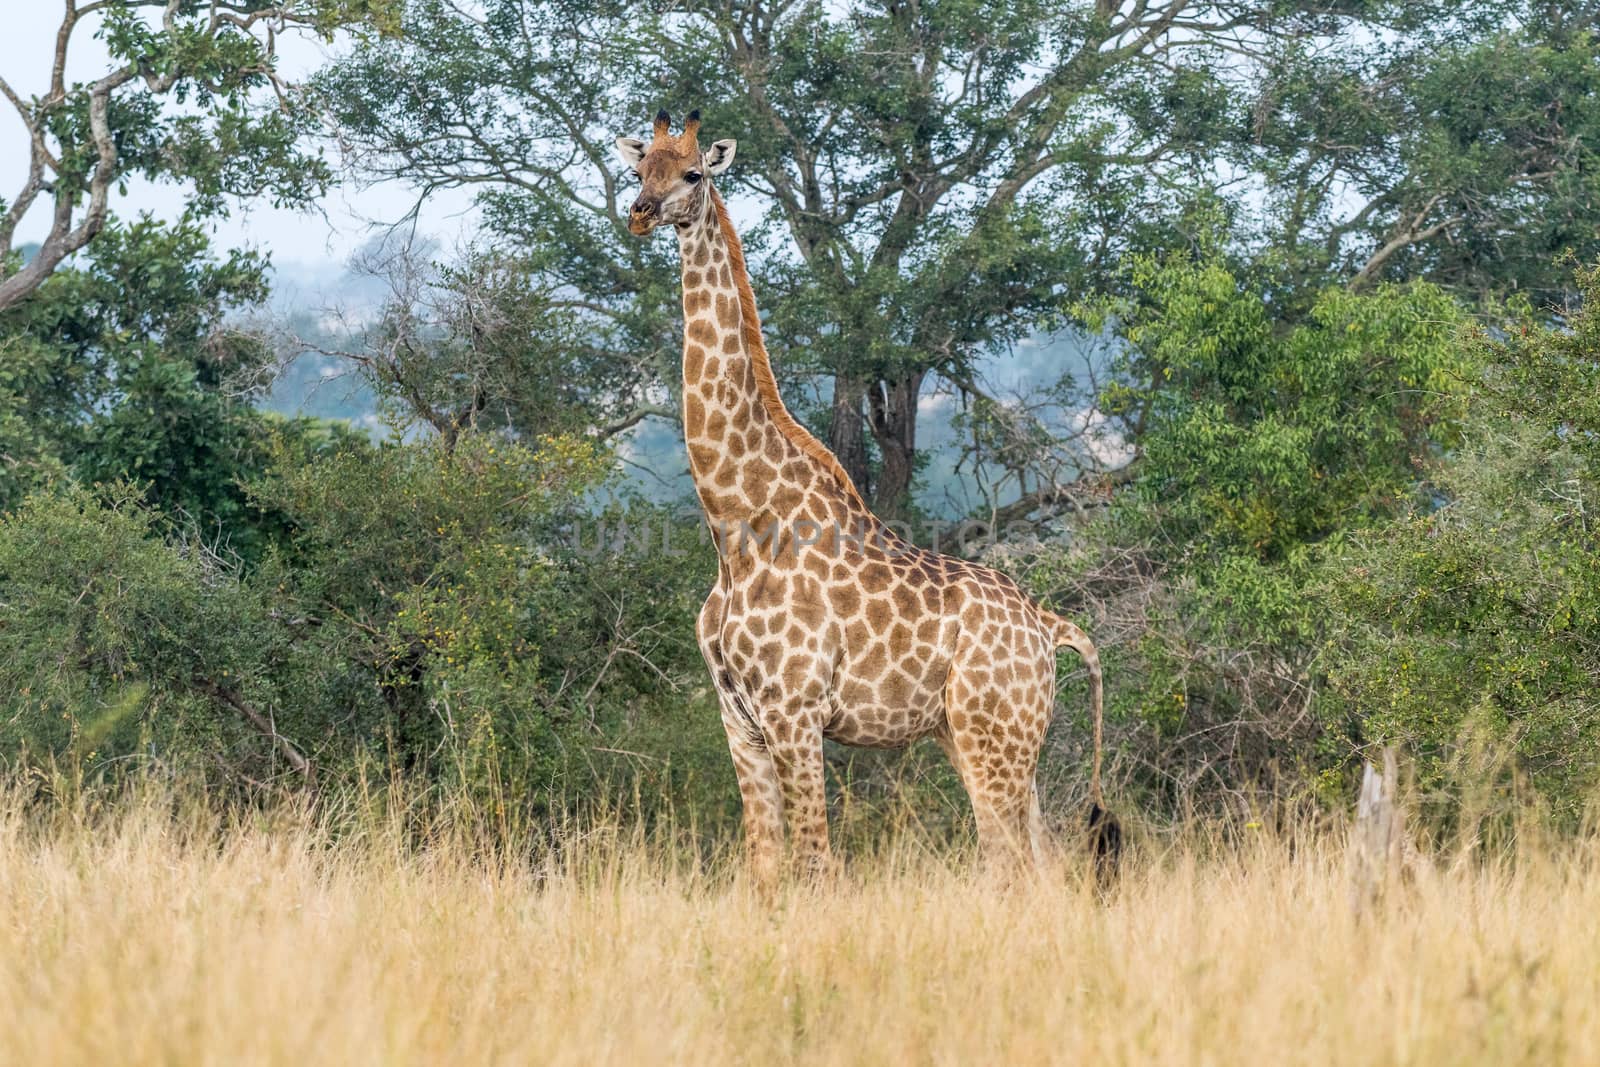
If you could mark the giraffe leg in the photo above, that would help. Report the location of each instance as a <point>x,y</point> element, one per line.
<point>994,744</point>
<point>1038,834</point>
<point>1004,818</point>
<point>795,737</point>
<point>1002,815</point>
<point>759,793</point>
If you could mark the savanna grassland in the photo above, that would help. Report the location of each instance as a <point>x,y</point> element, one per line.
<point>148,937</point>
<point>1259,338</point>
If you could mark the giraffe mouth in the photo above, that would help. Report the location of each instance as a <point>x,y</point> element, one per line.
<point>642,218</point>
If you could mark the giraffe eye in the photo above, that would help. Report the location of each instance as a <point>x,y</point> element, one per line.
<point>692,177</point>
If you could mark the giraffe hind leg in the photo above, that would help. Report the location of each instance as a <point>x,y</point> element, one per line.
<point>1002,802</point>
<point>993,738</point>
<point>1038,833</point>
<point>1001,833</point>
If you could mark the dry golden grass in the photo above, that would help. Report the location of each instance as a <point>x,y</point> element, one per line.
<point>144,938</point>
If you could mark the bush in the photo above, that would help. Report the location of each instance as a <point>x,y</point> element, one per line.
<point>1471,622</point>
<point>1263,446</point>
<point>116,644</point>
<point>423,617</point>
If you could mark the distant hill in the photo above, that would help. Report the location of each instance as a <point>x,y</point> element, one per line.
<point>318,301</point>
<point>323,387</point>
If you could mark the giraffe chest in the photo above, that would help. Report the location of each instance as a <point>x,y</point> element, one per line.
<point>869,647</point>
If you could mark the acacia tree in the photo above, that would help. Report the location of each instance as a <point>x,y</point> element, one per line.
<point>179,103</point>
<point>933,179</point>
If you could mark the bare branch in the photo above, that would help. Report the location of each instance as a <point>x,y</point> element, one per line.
<point>263,725</point>
<point>634,417</point>
<point>1411,233</point>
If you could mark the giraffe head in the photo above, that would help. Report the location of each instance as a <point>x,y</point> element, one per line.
<point>672,172</point>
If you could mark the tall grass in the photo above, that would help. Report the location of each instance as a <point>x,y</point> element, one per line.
<point>154,930</point>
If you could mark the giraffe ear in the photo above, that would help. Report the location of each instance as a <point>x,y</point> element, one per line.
<point>719,156</point>
<point>631,149</point>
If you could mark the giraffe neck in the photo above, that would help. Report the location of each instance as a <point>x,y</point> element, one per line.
<point>744,447</point>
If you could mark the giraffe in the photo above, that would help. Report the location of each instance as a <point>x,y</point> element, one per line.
<point>824,623</point>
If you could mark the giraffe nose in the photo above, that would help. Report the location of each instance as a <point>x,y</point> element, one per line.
<point>640,214</point>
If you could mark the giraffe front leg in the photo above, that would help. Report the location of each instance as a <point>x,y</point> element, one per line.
<point>794,736</point>
<point>759,794</point>
<point>760,798</point>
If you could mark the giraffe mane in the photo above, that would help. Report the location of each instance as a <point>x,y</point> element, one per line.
<point>766,383</point>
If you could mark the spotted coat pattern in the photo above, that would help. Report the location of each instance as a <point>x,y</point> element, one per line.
<point>823,623</point>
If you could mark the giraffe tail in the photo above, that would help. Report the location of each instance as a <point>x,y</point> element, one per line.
<point>1105,833</point>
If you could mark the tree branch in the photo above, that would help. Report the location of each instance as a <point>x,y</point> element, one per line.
<point>89,192</point>
<point>264,725</point>
<point>1407,237</point>
<point>634,417</point>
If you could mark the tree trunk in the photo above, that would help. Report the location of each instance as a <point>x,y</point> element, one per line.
<point>893,407</point>
<point>845,437</point>
<point>1377,838</point>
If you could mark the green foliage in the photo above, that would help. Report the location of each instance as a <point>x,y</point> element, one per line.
<point>423,617</point>
<point>1465,138</point>
<point>251,598</point>
<point>423,570</point>
<point>1472,623</point>
<point>217,141</point>
<point>1257,438</point>
<point>1368,527</point>
<point>28,443</point>
<point>1263,447</point>
<point>110,635</point>
<point>129,367</point>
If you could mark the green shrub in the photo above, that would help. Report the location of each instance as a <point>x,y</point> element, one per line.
<point>1472,621</point>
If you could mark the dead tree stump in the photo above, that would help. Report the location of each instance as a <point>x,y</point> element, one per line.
<point>1377,839</point>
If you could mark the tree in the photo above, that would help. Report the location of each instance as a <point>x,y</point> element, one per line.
<point>1259,439</point>
<point>892,146</point>
<point>1466,628</point>
<point>933,179</point>
<point>482,341</point>
<point>131,367</point>
<point>179,104</point>
<point>1265,449</point>
<point>1464,154</point>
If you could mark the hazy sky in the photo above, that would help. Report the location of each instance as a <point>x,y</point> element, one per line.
<point>295,239</point>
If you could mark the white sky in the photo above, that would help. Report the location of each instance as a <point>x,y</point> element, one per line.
<point>313,243</point>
